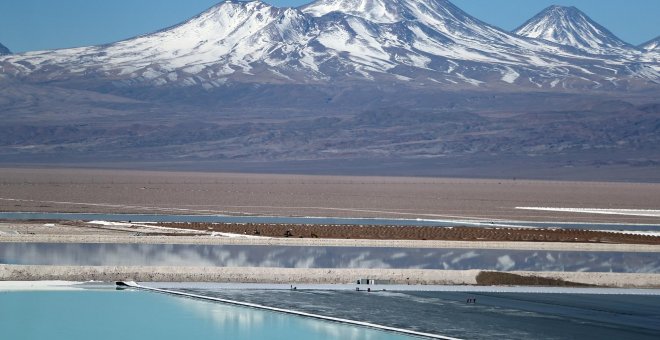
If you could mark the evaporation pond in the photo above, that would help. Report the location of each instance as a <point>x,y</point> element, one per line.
<point>111,254</point>
<point>112,314</point>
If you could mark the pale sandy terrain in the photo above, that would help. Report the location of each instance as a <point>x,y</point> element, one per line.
<point>53,229</point>
<point>550,246</point>
<point>62,190</point>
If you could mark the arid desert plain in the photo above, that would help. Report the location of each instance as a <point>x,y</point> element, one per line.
<point>190,193</point>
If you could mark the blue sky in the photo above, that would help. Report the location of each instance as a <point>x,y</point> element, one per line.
<point>27,25</point>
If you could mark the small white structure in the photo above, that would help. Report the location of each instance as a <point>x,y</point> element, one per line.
<point>372,282</point>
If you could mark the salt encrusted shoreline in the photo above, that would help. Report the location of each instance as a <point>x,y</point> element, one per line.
<point>301,275</point>
<point>10,286</point>
<point>209,240</point>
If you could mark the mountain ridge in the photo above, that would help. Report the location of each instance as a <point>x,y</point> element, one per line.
<point>418,43</point>
<point>651,45</point>
<point>569,26</point>
<point>4,50</point>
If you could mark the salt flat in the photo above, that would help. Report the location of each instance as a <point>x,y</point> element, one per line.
<point>10,286</point>
<point>625,212</point>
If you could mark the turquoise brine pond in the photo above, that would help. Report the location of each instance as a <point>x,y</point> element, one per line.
<point>110,314</point>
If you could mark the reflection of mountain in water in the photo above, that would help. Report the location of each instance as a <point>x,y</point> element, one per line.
<point>326,257</point>
<point>503,315</point>
<point>237,322</point>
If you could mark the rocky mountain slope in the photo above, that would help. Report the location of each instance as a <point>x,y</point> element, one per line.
<point>4,50</point>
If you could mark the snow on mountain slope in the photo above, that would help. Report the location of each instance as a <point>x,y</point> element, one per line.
<point>437,27</point>
<point>651,50</point>
<point>380,11</point>
<point>651,45</point>
<point>571,27</point>
<point>4,50</point>
<point>220,41</point>
<point>432,35</point>
<point>409,41</point>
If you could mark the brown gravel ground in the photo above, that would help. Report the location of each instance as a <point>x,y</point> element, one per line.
<point>488,278</point>
<point>115,191</point>
<point>419,233</point>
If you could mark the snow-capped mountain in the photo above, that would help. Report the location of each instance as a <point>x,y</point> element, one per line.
<point>652,45</point>
<point>4,50</point>
<point>225,39</point>
<point>413,42</point>
<point>571,27</point>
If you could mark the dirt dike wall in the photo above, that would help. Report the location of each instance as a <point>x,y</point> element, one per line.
<point>209,240</point>
<point>321,276</point>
